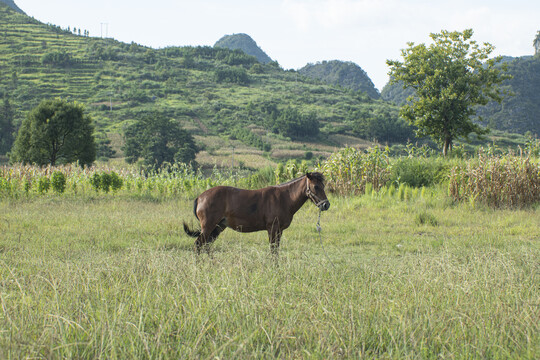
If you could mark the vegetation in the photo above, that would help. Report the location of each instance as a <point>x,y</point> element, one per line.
<point>209,91</point>
<point>115,277</point>
<point>158,140</point>
<point>449,77</point>
<point>498,181</point>
<point>244,43</point>
<point>519,112</point>
<point>7,128</point>
<point>346,74</point>
<point>57,131</point>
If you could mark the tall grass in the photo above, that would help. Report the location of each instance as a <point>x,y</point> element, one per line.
<point>169,182</point>
<point>115,278</point>
<point>491,179</point>
<point>497,180</point>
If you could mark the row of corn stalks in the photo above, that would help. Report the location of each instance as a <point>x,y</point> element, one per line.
<point>497,181</point>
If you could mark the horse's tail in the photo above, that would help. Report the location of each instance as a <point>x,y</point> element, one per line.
<point>193,233</point>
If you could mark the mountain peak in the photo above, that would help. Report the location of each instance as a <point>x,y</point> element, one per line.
<point>343,73</point>
<point>245,43</point>
<point>12,5</point>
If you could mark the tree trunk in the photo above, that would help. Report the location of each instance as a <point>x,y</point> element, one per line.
<point>447,145</point>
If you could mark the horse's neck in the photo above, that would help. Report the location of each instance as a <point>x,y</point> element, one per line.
<point>297,194</point>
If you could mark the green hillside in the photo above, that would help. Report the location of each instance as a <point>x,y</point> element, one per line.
<point>245,43</point>
<point>224,97</point>
<point>518,113</point>
<point>346,74</point>
<point>12,5</point>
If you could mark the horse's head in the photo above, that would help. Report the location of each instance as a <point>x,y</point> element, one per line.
<point>315,190</point>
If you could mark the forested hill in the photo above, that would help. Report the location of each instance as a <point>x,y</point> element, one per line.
<point>518,113</point>
<point>245,43</point>
<point>211,91</point>
<point>345,74</point>
<point>12,5</point>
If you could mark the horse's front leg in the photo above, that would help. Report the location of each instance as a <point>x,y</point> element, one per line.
<point>274,235</point>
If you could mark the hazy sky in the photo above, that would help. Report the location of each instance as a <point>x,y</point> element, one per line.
<point>297,32</point>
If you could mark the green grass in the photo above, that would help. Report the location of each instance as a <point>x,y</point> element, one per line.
<point>115,277</point>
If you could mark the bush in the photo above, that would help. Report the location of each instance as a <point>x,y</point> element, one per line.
<point>425,218</point>
<point>116,182</point>
<point>418,172</point>
<point>43,184</point>
<point>95,181</point>
<point>106,182</point>
<point>58,182</point>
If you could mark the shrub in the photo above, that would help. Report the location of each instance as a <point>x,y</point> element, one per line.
<point>425,218</point>
<point>43,184</point>
<point>58,182</point>
<point>106,182</point>
<point>116,182</point>
<point>95,181</point>
<point>418,172</point>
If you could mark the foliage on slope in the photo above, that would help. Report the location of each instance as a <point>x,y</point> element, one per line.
<point>245,43</point>
<point>210,91</point>
<point>342,73</point>
<point>518,112</point>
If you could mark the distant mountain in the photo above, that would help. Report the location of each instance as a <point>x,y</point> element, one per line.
<point>519,112</point>
<point>245,43</point>
<point>211,91</point>
<point>345,74</point>
<point>12,5</point>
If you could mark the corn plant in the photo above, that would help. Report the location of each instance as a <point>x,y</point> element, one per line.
<point>350,170</point>
<point>497,181</point>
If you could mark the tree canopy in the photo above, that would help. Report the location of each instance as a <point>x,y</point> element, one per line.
<point>157,139</point>
<point>449,77</point>
<point>56,131</point>
<point>6,126</point>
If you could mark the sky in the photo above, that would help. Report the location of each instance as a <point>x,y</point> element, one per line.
<point>297,32</point>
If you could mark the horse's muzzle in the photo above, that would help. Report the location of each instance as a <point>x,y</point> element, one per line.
<point>325,205</point>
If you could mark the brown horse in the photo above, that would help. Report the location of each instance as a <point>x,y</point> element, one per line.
<point>271,208</point>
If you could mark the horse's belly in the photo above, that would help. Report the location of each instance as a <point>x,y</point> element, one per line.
<point>242,226</point>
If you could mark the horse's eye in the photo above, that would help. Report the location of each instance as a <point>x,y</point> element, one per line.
<point>317,188</point>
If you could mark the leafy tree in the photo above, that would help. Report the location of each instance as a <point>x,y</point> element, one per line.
<point>381,124</point>
<point>158,139</point>
<point>57,131</point>
<point>536,43</point>
<point>56,57</point>
<point>6,126</point>
<point>232,74</point>
<point>449,77</point>
<point>290,122</point>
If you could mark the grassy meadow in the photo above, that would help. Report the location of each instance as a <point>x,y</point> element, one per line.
<point>114,276</point>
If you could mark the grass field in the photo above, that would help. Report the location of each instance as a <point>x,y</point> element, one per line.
<point>115,277</point>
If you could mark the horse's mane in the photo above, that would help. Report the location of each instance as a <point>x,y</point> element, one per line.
<point>314,175</point>
<point>317,176</point>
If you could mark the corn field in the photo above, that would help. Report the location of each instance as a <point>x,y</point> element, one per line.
<point>497,180</point>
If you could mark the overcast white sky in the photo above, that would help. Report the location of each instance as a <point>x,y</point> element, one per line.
<point>297,32</point>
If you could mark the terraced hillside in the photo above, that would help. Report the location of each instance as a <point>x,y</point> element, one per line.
<point>213,92</point>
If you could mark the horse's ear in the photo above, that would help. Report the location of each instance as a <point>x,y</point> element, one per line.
<point>308,175</point>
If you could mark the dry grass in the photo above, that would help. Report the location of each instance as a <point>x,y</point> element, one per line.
<point>498,181</point>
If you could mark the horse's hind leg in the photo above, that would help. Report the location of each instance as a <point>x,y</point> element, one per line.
<point>208,236</point>
<point>217,230</point>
